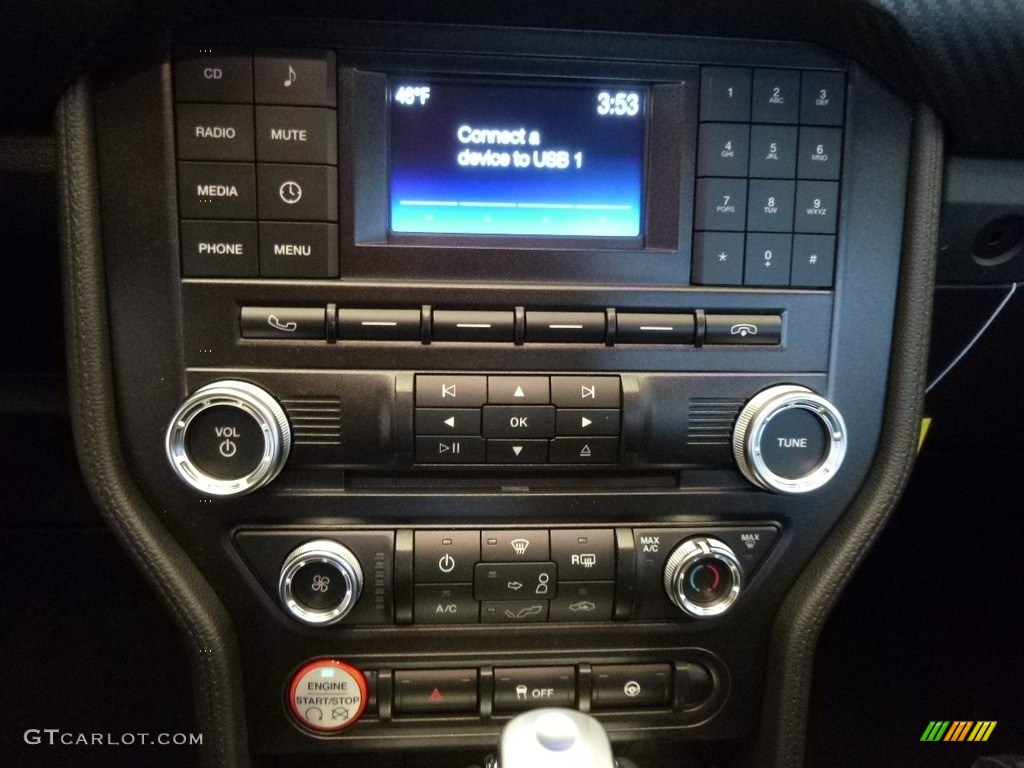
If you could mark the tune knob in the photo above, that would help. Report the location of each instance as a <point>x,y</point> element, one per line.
<point>788,439</point>
<point>703,577</point>
<point>320,582</point>
<point>228,438</point>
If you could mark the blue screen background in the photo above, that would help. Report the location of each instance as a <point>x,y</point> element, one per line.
<point>432,194</point>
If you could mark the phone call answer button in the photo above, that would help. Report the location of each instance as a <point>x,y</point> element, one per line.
<point>284,323</point>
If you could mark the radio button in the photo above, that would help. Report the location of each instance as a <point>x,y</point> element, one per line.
<point>768,258</point>
<point>298,250</point>
<point>380,325</point>
<point>585,391</point>
<point>770,206</point>
<point>723,149</point>
<point>519,688</point>
<point>515,546</point>
<point>451,391</point>
<point>721,204</point>
<point>298,192</point>
<point>583,601</point>
<point>519,421</point>
<point>445,604</point>
<point>445,557</point>
<point>821,152</point>
<point>773,151</point>
<point>568,327</point>
<point>217,190</point>
<point>587,422</point>
<point>652,328</point>
<point>584,554</point>
<point>776,96</point>
<point>725,94</point>
<point>718,258</point>
<point>518,390</point>
<point>219,249</point>
<point>450,450</point>
<point>205,74</point>
<point>283,323</point>
<point>448,421</point>
<point>816,207</point>
<point>517,451</point>
<point>515,581</point>
<point>822,98</point>
<point>451,325</point>
<point>295,77</point>
<point>294,135</point>
<point>813,261</point>
<point>743,329</point>
<point>214,132</point>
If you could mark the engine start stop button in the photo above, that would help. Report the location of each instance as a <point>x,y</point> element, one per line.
<point>327,695</point>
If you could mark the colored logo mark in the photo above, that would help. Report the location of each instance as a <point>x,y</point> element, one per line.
<point>958,730</point>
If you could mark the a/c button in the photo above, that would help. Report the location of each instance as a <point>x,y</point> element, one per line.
<point>445,604</point>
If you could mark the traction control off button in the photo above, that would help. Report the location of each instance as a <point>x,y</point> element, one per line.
<point>327,695</point>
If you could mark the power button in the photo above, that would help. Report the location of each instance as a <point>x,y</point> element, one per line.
<point>225,442</point>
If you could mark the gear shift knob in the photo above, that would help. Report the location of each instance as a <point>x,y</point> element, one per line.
<point>554,738</point>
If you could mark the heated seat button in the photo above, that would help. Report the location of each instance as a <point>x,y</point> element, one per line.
<point>214,132</point>
<point>380,325</point>
<point>298,250</point>
<point>519,421</point>
<point>632,685</point>
<point>445,557</point>
<point>427,691</point>
<point>519,688</point>
<point>584,554</point>
<point>204,73</point>
<point>219,249</point>
<point>295,77</point>
<point>296,135</point>
<point>225,442</point>
<point>217,190</point>
<point>283,323</point>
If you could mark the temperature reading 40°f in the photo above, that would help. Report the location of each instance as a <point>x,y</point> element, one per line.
<point>621,104</point>
<point>412,94</point>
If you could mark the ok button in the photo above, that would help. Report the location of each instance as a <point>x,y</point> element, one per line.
<point>519,421</point>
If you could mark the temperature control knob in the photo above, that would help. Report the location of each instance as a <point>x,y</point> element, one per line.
<point>228,438</point>
<point>703,577</point>
<point>320,582</point>
<point>788,439</point>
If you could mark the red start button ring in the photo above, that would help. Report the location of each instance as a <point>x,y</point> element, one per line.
<point>327,695</point>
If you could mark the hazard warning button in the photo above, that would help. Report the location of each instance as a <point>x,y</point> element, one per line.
<point>327,695</point>
<point>422,691</point>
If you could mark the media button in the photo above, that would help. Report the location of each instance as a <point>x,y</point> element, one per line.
<point>219,249</point>
<point>217,190</point>
<point>585,391</point>
<point>296,135</point>
<point>433,391</point>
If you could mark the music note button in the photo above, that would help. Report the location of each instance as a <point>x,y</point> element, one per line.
<point>295,77</point>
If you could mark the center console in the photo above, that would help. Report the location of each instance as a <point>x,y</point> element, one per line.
<point>482,370</point>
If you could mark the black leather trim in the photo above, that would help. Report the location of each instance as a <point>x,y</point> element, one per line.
<point>198,612</point>
<point>799,621</point>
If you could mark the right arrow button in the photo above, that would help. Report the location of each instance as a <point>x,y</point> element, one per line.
<point>573,422</point>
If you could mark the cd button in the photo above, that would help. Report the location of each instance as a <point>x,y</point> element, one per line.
<point>202,73</point>
<point>451,391</point>
<point>448,421</point>
<point>585,391</point>
<point>283,323</point>
<point>379,324</point>
<point>217,190</point>
<point>566,327</point>
<point>214,132</point>
<point>452,325</point>
<point>519,421</point>
<point>652,328</point>
<point>518,390</point>
<point>298,250</point>
<point>295,77</point>
<point>219,249</point>
<point>517,451</point>
<point>296,135</point>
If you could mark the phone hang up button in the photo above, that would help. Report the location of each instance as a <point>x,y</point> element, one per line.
<point>743,329</point>
<point>284,323</point>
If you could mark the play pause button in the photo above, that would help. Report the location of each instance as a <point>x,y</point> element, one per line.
<point>517,451</point>
<point>450,450</point>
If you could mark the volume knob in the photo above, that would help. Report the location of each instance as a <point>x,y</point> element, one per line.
<point>228,438</point>
<point>788,439</point>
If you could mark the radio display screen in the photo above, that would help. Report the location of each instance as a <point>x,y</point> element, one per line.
<point>516,160</point>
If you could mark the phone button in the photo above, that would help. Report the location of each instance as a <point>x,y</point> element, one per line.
<point>743,329</point>
<point>284,323</point>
